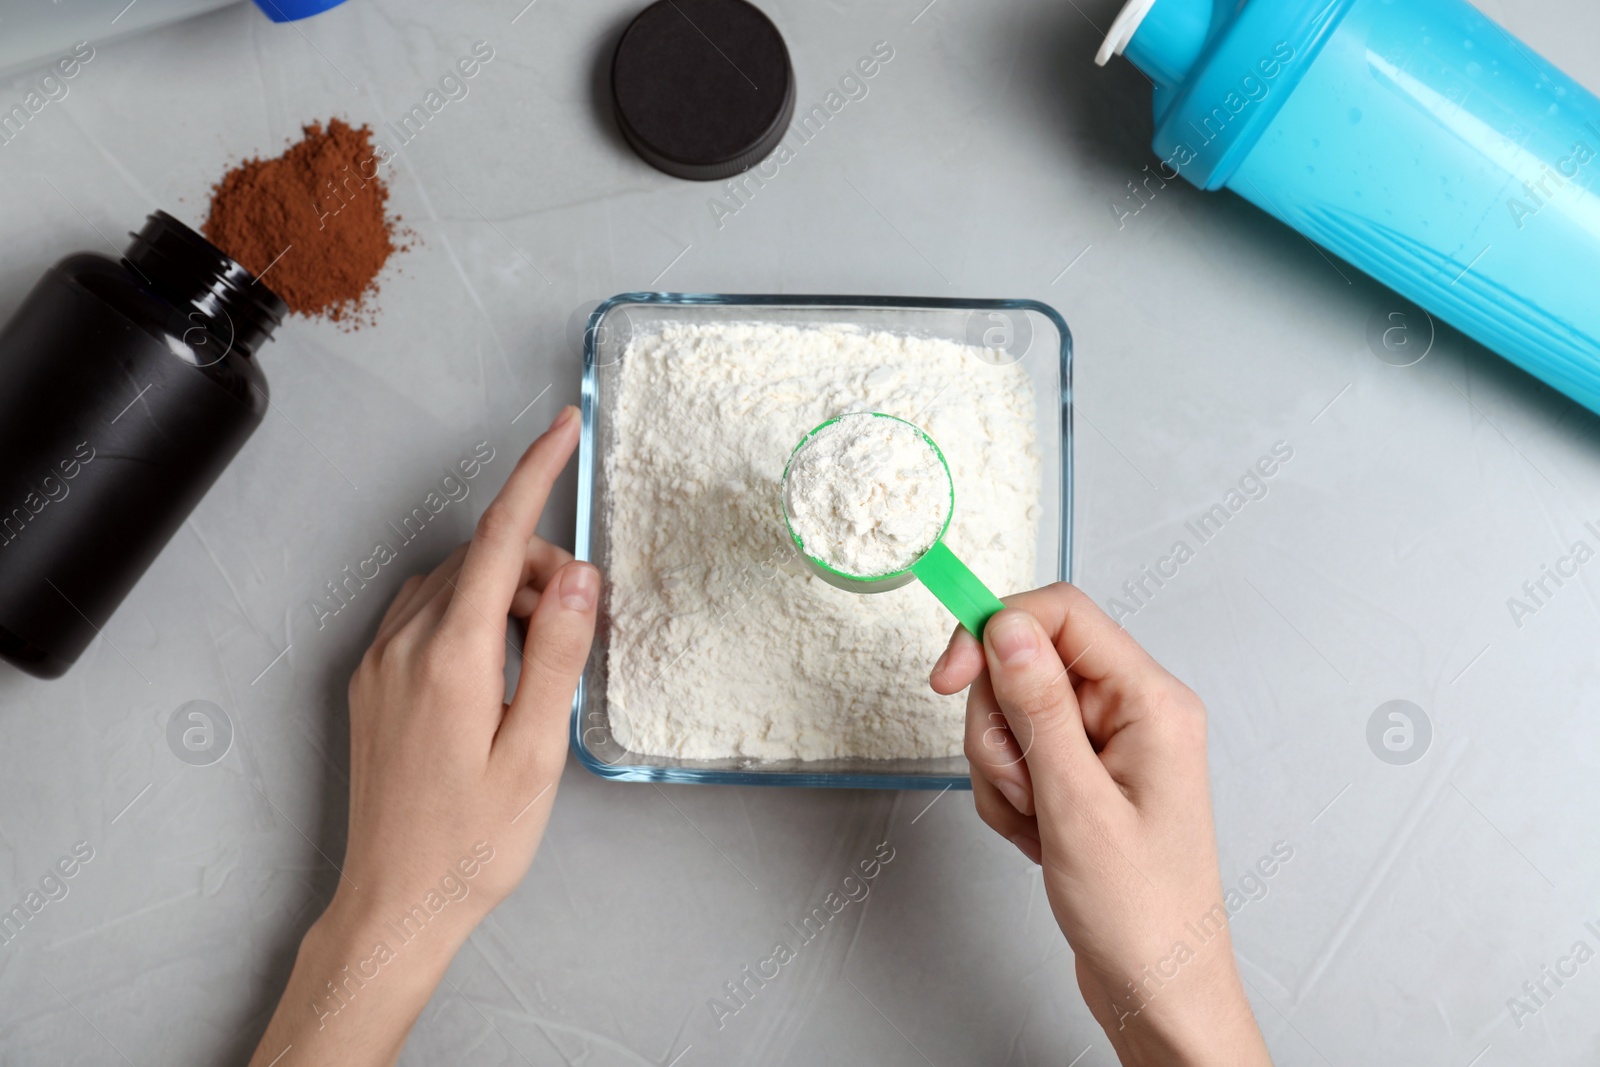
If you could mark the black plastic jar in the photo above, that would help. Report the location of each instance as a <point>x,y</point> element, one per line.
<point>126,386</point>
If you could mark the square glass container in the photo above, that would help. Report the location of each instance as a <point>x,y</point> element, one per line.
<point>1011,331</point>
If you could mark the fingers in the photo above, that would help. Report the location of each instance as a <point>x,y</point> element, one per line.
<point>998,814</point>
<point>1085,637</point>
<point>993,751</point>
<point>1033,692</point>
<point>418,591</point>
<point>960,664</point>
<point>560,631</point>
<point>543,560</point>
<point>408,589</point>
<point>1093,648</point>
<point>427,590</point>
<point>491,572</point>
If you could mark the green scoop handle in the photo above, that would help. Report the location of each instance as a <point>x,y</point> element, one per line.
<point>957,588</point>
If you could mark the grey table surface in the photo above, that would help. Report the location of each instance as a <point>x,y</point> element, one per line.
<point>987,159</point>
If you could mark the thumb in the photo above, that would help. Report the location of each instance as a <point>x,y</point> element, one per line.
<point>560,631</point>
<point>1032,688</point>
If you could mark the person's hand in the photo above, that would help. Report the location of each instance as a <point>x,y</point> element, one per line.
<point>1090,758</point>
<point>442,769</point>
<point>450,786</point>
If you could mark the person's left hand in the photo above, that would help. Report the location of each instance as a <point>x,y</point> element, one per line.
<point>440,764</point>
<point>450,786</point>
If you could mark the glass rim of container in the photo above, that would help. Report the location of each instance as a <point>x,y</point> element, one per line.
<point>583,546</point>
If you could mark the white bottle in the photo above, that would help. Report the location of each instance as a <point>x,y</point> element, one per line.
<point>34,34</point>
<point>38,33</point>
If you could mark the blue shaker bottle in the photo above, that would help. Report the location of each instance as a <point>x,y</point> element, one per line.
<point>1414,138</point>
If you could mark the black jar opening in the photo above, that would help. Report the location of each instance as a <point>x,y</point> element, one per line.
<point>190,271</point>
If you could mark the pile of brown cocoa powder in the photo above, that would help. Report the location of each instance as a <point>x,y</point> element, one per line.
<point>311,223</point>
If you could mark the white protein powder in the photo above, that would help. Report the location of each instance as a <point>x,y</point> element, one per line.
<point>722,644</point>
<point>867,495</point>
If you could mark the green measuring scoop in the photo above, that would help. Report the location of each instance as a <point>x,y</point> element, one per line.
<point>938,568</point>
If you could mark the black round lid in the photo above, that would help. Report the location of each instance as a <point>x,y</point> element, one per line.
<point>703,88</point>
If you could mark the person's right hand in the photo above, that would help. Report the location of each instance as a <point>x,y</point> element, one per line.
<point>1090,758</point>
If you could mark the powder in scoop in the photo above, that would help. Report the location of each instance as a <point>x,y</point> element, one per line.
<point>867,495</point>
<point>312,220</point>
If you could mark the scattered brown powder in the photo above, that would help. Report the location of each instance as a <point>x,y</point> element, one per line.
<point>312,220</point>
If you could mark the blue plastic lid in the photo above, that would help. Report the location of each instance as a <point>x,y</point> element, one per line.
<point>290,10</point>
